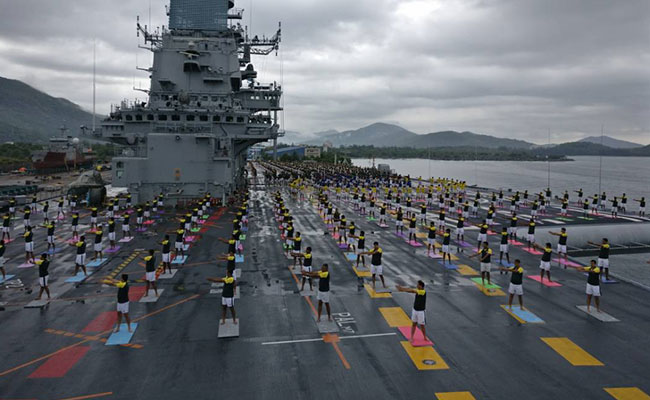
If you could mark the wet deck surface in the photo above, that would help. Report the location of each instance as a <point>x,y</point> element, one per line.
<point>57,351</point>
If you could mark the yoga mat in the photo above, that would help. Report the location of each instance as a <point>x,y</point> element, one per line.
<point>123,336</point>
<point>195,230</point>
<point>7,278</point>
<point>80,277</point>
<point>343,245</point>
<point>54,251</point>
<point>179,260</point>
<point>418,339</point>
<point>507,264</point>
<point>148,222</point>
<point>601,316</point>
<point>26,265</point>
<point>239,258</point>
<point>126,239</point>
<point>96,263</point>
<point>523,315</point>
<point>564,262</point>
<point>545,282</point>
<point>141,230</point>
<point>114,250</point>
<point>532,251</point>
<point>383,225</point>
<point>463,243</point>
<point>436,255</point>
<point>351,256</point>
<point>479,282</point>
<point>414,243</point>
<point>447,265</point>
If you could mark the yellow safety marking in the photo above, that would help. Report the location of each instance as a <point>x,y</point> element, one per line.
<point>627,393</point>
<point>424,358</point>
<point>466,270</point>
<point>395,316</point>
<point>455,396</point>
<point>361,274</point>
<point>571,352</point>
<point>489,292</point>
<point>374,294</point>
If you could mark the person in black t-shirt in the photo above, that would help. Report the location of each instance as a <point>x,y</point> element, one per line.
<point>227,296</point>
<point>419,308</point>
<point>516,283</point>
<point>593,283</point>
<point>323,290</point>
<point>2,259</point>
<point>43,275</point>
<point>122,300</point>
<point>166,256</point>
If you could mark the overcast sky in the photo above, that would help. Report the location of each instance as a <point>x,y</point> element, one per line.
<point>510,68</point>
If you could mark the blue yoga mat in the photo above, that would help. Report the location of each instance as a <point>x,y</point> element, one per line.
<point>96,263</point>
<point>123,336</point>
<point>239,258</point>
<point>7,278</point>
<point>179,260</point>
<point>448,265</point>
<point>80,277</point>
<point>351,256</point>
<point>525,315</point>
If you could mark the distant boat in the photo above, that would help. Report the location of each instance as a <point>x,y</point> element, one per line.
<point>63,153</point>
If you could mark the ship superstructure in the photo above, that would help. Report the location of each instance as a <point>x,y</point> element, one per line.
<point>205,106</point>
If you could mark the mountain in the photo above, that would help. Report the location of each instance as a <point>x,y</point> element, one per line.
<point>29,115</point>
<point>466,139</point>
<point>611,142</point>
<point>378,134</point>
<point>387,135</point>
<point>592,149</point>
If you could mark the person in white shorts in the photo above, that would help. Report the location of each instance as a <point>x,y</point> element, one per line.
<point>418,315</point>
<point>29,245</point>
<point>545,262</point>
<point>227,296</point>
<point>593,284</point>
<point>323,290</point>
<point>516,286</point>
<point>80,258</point>
<point>122,300</point>
<point>375,263</point>
<point>150,273</point>
<point>561,246</point>
<point>485,259</point>
<point>603,256</point>
<point>43,275</point>
<point>166,254</point>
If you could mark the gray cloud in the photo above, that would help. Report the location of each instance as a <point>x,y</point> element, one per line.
<point>512,68</point>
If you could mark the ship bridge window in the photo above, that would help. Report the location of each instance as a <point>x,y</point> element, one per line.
<point>229,118</point>
<point>205,98</point>
<point>149,117</point>
<point>216,118</point>
<point>240,119</point>
<point>162,117</point>
<point>189,117</point>
<point>215,98</point>
<point>176,117</point>
<point>129,117</point>
<point>138,117</point>
<point>119,164</point>
<point>203,118</point>
<point>193,98</point>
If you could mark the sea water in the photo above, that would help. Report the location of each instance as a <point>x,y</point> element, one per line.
<point>618,175</point>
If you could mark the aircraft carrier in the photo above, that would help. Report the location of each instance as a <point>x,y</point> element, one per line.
<point>476,348</point>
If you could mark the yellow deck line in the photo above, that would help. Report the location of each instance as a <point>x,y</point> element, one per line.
<point>361,274</point>
<point>424,358</point>
<point>627,393</point>
<point>573,353</point>
<point>395,316</point>
<point>495,292</point>
<point>455,396</point>
<point>374,294</point>
<point>467,270</point>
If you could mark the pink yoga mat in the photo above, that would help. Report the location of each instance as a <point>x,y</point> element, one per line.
<point>532,251</point>
<point>415,243</point>
<point>418,340</point>
<point>564,262</point>
<point>545,282</point>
